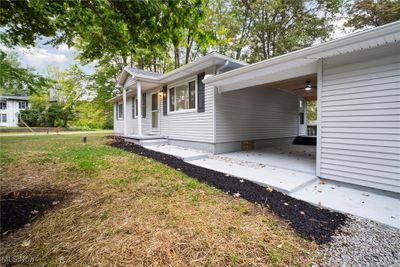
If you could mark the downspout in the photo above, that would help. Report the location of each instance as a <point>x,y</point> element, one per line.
<point>223,67</point>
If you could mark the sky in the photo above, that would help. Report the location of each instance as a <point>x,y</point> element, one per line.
<point>41,56</point>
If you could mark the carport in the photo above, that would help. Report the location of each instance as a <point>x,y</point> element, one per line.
<point>271,114</point>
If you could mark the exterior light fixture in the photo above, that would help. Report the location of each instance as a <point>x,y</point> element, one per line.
<point>308,86</point>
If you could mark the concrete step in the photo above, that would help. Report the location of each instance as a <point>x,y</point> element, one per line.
<point>283,180</point>
<point>153,142</point>
<point>185,154</point>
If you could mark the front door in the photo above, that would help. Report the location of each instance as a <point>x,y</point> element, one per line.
<point>155,117</point>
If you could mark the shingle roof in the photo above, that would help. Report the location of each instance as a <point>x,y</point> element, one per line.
<point>144,72</point>
<point>14,97</point>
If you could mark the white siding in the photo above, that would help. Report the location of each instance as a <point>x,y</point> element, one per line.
<point>132,122</point>
<point>118,123</point>
<point>12,112</point>
<point>256,113</point>
<point>191,126</point>
<point>360,119</point>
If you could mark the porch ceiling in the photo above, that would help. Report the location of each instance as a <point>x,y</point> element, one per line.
<point>296,86</point>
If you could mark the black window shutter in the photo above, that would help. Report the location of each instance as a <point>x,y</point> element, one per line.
<point>200,92</point>
<point>165,105</point>
<point>144,105</point>
<point>133,107</point>
<point>116,110</point>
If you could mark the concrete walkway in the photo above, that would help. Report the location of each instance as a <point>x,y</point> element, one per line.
<point>283,180</point>
<point>353,200</point>
<point>301,185</point>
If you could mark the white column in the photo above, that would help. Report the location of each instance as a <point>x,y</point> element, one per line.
<point>124,109</point>
<point>139,97</point>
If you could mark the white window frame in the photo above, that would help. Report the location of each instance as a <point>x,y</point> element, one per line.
<point>118,117</point>
<point>3,115</point>
<point>134,103</point>
<point>177,84</point>
<point>22,103</point>
<point>1,104</point>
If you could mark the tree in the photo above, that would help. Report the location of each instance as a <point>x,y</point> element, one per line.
<point>16,80</point>
<point>281,26</point>
<point>134,32</point>
<point>364,13</point>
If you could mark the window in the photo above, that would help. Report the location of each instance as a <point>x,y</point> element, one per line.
<point>22,104</point>
<point>182,97</point>
<point>135,106</point>
<point>171,99</point>
<point>120,111</point>
<point>3,118</point>
<point>3,104</point>
<point>301,115</point>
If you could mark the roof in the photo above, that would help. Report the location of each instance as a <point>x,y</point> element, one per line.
<point>137,71</point>
<point>383,35</point>
<point>152,79</point>
<point>14,97</point>
<point>212,58</point>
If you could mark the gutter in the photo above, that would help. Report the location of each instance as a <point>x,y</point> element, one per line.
<point>223,67</point>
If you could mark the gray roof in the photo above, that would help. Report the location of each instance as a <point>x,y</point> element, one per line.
<point>144,72</point>
<point>14,97</point>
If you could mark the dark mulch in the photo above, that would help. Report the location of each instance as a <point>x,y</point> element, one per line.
<point>20,208</point>
<point>309,221</point>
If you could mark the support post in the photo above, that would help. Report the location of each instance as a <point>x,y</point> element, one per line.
<point>139,97</point>
<point>124,110</point>
<point>319,116</point>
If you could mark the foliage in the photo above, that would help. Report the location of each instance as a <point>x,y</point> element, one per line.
<point>16,80</point>
<point>31,117</point>
<point>364,13</point>
<point>90,115</point>
<point>53,115</point>
<point>311,110</point>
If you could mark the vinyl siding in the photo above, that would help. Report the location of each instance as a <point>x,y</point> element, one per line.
<point>191,126</point>
<point>118,123</point>
<point>360,119</point>
<point>256,113</point>
<point>187,126</point>
<point>132,122</point>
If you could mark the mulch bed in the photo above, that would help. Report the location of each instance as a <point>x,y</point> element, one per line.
<point>20,208</point>
<point>310,221</point>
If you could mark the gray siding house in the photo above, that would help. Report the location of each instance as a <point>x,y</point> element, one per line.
<point>218,104</point>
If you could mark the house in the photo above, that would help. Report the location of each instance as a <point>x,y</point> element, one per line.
<point>220,105</point>
<point>10,107</point>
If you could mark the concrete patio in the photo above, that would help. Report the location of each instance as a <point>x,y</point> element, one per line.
<point>291,170</point>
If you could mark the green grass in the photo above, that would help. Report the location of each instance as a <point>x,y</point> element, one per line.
<point>130,210</point>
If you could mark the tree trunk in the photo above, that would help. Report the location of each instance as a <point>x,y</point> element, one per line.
<point>176,56</point>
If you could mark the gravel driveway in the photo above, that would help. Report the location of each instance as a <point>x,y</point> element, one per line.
<point>363,243</point>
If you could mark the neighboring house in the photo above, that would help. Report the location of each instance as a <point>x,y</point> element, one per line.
<point>10,107</point>
<point>56,95</point>
<point>219,104</point>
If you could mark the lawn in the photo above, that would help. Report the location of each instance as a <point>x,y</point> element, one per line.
<point>119,208</point>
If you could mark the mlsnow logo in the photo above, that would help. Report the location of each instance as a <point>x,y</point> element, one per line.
<point>17,259</point>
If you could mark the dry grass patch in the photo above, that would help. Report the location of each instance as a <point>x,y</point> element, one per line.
<point>129,210</point>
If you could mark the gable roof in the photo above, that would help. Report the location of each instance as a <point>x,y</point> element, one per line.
<point>211,59</point>
<point>136,71</point>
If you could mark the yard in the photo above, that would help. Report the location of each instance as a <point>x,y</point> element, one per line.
<point>116,207</point>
